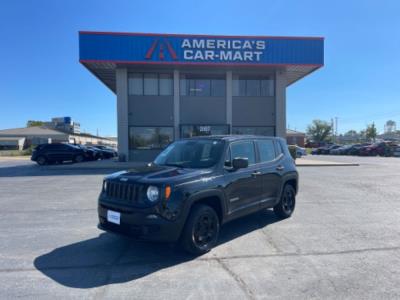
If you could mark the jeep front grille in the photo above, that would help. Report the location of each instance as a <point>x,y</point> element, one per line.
<point>126,192</point>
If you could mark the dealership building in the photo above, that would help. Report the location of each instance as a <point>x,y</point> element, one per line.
<point>172,86</point>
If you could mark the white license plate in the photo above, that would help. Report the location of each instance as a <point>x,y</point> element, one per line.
<point>113,217</point>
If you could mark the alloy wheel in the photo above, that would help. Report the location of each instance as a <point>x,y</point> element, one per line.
<point>288,201</point>
<point>205,230</point>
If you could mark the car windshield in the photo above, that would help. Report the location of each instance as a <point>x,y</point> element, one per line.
<point>198,153</point>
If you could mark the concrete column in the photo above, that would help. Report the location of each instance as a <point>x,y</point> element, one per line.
<point>280,104</point>
<point>229,86</point>
<point>122,113</point>
<point>176,104</point>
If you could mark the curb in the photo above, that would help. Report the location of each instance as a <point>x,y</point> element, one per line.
<point>328,165</point>
<point>20,157</point>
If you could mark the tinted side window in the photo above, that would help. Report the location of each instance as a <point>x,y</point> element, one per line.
<point>228,160</point>
<point>266,150</point>
<point>278,148</point>
<point>70,147</point>
<point>52,146</point>
<point>244,150</point>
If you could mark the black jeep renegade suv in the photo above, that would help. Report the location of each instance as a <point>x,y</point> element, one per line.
<point>196,185</point>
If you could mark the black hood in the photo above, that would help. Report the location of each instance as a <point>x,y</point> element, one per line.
<point>152,173</point>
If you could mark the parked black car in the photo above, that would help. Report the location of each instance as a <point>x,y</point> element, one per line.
<point>342,150</point>
<point>355,149</point>
<point>51,153</point>
<point>105,152</point>
<point>196,185</point>
<point>325,149</point>
<point>92,153</point>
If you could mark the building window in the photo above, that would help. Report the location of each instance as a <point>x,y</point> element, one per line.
<point>244,86</point>
<point>188,131</point>
<point>267,87</point>
<point>202,87</point>
<point>136,84</point>
<point>150,84</point>
<point>166,85</point>
<point>148,138</point>
<point>256,130</point>
<point>253,88</point>
<point>218,87</point>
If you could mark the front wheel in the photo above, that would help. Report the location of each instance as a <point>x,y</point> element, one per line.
<point>287,203</point>
<point>201,231</point>
<point>79,158</point>
<point>41,160</point>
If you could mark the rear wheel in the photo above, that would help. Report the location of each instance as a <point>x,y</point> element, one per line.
<point>287,203</point>
<point>201,231</point>
<point>41,160</point>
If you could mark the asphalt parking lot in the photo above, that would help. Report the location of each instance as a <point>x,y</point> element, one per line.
<point>343,241</point>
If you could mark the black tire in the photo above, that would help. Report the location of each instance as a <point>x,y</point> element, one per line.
<point>287,203</point>
<point>201,230</point>
<point>79,158</point>
<point>41,160</point>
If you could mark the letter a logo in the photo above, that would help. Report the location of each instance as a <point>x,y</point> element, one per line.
<point>161,45</point>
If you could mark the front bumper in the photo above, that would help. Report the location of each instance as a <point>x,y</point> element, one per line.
<point>144,224</point>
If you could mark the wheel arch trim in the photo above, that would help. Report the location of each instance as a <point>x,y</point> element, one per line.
<point>210,193</point>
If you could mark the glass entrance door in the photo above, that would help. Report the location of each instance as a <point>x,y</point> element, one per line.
<point>188,131</point>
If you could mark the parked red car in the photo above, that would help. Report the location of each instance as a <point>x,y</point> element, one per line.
<point>381,149</point>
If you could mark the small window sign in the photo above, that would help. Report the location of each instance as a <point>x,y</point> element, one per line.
<point>204,128</point>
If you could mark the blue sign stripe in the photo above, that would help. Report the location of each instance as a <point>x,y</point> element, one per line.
<point>210,49</point>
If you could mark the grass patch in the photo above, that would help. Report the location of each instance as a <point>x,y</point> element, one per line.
<point>308,150</point>
<point>25,152</point>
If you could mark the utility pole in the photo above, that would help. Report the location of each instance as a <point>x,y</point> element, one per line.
<point>333,130</point>
<point>336,128</point>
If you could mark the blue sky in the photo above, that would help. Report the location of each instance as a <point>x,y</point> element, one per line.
<point>41,76</point>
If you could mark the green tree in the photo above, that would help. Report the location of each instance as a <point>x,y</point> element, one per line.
<point>32,123</point>
<point>390,126</point>
<point>319,131</point>
<point>370,132</point>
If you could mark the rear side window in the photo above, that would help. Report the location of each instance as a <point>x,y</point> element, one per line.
<point>57,147</point>
<point>244,150</point>
<point>266,149</point>
<point>49,146</point>
<point>278,148</point>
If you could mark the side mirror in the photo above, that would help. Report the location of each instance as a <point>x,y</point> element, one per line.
<point>240,163</point>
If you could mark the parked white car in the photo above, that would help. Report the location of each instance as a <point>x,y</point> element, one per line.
<point>300,152</point>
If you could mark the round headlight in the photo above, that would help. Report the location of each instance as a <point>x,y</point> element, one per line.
<point>152,193</point>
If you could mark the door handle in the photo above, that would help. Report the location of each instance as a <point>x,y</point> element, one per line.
<point>280,168</point>
<point>256,173</point>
